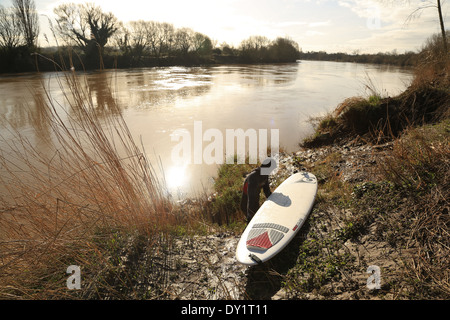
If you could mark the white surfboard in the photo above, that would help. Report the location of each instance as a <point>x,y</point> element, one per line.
<point>278,220</point>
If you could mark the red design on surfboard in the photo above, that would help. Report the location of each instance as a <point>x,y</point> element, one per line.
<point>261,241</point>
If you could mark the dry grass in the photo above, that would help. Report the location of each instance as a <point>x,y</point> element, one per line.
<point>419,167</point>
<point>60,207</point>
<point>434,63</point>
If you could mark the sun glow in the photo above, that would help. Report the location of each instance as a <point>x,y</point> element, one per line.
<point>176,176</point>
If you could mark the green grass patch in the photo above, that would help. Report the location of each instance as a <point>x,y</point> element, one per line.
<point>228,186</point>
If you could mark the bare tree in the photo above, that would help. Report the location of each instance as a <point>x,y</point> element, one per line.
<point>28,20</point>
<point>254,48</point>
<point>133,39</point>
<point>138,35</point>
<point>184,39</point>
<point>10,34</point>
<point>438,6</point>
<point>71,25</point>
<point>255,43</point>
<point>441,21</point>
<point>167,37</point>
<point>102,25</point>
<point>83,24</point>
<point>153,36</point>
<point>160,37</point>
<point>121,38</point>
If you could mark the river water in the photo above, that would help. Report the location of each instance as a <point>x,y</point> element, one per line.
<point>159,103</point>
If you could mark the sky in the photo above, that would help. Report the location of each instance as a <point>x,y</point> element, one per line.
<point>364,26</point>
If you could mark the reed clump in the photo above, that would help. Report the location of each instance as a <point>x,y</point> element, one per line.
<point>79,201</point>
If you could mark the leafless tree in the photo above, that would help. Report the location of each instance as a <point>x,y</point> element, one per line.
<point>184,39</point>
<point>121,38</point>
<point>164,38</point>
<point>133,39</point>
<point>431,4</point>
<point>71,24</point>
<point>83,23</point>
<point>10,34</point>
<point>140,37</point>
<point>254,48</point>
<point>102,25</point>
<point>167,39</point>
<point>255,43</point>
<point>28,20</point>
<point>138,31</point>
<point>441,22</point>
<point>153,37</point>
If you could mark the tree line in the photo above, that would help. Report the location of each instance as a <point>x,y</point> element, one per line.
<point>88,38</point>
<point>406,59</point>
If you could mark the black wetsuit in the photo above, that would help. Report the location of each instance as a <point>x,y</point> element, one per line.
<point>253,184</point>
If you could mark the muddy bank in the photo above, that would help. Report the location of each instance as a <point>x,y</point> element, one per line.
<point>205,267</point>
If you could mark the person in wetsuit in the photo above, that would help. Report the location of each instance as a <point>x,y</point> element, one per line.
<point>258,179</point>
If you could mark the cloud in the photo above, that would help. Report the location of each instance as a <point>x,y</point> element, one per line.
<point>290,24</point>
<point>387,25</point>
<point>402,40</point>
<point>311,33</point>
<point>320,24</point>
<point>396,12</point>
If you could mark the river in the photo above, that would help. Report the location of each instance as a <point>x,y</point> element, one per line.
<point>160,103</point>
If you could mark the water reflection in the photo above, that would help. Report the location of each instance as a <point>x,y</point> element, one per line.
<point>157,88</point>
<point>101,92</point>
<point>261,75</point>
<point>21,108</point>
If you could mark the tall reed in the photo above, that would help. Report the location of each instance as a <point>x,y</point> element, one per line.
<point>93,179</point>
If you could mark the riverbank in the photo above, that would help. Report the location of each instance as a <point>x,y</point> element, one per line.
<point>23,59</point>
<point>359,220</point>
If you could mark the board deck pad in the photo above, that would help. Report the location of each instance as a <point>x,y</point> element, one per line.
<point>265,235</point>
<point>278,220</point>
